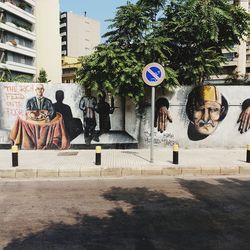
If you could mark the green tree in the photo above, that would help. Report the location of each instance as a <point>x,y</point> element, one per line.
<point>42,78</point>
<point>199,30</point>
<point>6,76</point>
<point>185,36</point>
<point>117,65</point>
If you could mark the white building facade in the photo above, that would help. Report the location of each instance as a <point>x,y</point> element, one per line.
<point>238,59</point>
<point>80,34</point>
<point>30,38</point>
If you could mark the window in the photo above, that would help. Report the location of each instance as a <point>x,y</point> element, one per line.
<point>17,58</point>
<point>229,56</point>
<point>20,40</point>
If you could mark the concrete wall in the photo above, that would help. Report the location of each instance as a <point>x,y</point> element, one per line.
<point>226,135</point>
<point>13,97</point>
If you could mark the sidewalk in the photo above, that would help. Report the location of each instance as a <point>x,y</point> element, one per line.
<point>117,163</point>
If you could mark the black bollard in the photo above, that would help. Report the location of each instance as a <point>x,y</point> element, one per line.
<point>248,153</point>
<point>176,154</point>
<point>98,155</point>
<point>14,150</point>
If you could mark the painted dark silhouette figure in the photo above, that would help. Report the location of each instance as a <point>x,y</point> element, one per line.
<point>162,114</point>
<point>88,105</point>
<point>73,125</point>
<point>206,108</point>
<point>104,110</point>
<point>244,118</point>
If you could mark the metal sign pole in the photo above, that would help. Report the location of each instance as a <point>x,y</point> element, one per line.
<point>152,125</point>
<point>153,74</point>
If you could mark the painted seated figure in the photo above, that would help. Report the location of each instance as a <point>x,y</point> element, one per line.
<point>40,107</point>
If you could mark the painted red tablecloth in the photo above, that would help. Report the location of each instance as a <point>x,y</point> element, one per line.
<point>29,134</point>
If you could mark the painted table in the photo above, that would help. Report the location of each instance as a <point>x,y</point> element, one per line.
<point>31,134</point>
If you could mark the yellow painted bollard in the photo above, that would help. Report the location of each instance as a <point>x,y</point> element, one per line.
<point>176,154</point>
<point>248,153</point>
<point>98,150</point>
<point>14,150</point>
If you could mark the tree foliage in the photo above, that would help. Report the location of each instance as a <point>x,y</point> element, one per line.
<point>185,36</point>
<point>43,77</point>
<point>6,76</point>
<point>199,30</point>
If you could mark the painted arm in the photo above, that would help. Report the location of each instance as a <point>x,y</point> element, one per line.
<point>28,105</point>
<point>51,111</point>
<point>163,116</point>
<point>244,120</point>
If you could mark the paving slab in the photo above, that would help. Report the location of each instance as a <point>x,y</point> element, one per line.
<point>128,162</point>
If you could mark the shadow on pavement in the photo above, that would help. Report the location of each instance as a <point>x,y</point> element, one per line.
<point>214,216</point>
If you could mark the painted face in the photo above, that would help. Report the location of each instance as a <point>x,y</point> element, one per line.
<point>206,117</point>
<point>39,90</point>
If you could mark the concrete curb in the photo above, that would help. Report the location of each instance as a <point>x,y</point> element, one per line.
<point>16,173</point>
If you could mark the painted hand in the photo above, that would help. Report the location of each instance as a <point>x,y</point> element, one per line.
<point>163,117</point>
<point>244,120</point>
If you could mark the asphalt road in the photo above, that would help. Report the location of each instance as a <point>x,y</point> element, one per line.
<point>130,214</point>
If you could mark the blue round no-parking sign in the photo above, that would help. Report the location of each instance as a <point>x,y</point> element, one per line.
<point>153,74</point>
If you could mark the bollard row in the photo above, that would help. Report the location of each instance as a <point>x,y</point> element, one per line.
<point>98,159</point>
<point>248,153</point>
<point>14,150</point>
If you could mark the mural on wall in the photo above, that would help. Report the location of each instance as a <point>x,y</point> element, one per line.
<point>65,99</point>
<point>41,127</point>
<point>88,105</point>
<point>244,118</point>
<point>104,110</point>
<point>206,108</point>
<point>168,139</point>
<point>12,98</point>
<point>162,114</point>
<point>73,125</point>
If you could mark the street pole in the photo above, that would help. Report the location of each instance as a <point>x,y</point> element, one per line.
<point>152,125</point>
<point>153,74</point>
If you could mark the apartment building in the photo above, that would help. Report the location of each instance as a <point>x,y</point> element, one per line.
<point>30,38</point>
<point>80,34</point>
<point>238,59</point>
<point>69,68</point>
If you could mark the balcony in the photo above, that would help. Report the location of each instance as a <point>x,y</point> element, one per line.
<point>9,7</point>
<point>219,77</point>
<point>64,34</point>
<point>31,2</point>
<point>18,49</point>
<point>19,67</point>
<point>11,27</point>
<point>63,25</point>
<point>233,62</point>
<point>64,15</point>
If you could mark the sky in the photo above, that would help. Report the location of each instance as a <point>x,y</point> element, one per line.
<point>100,10</point>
